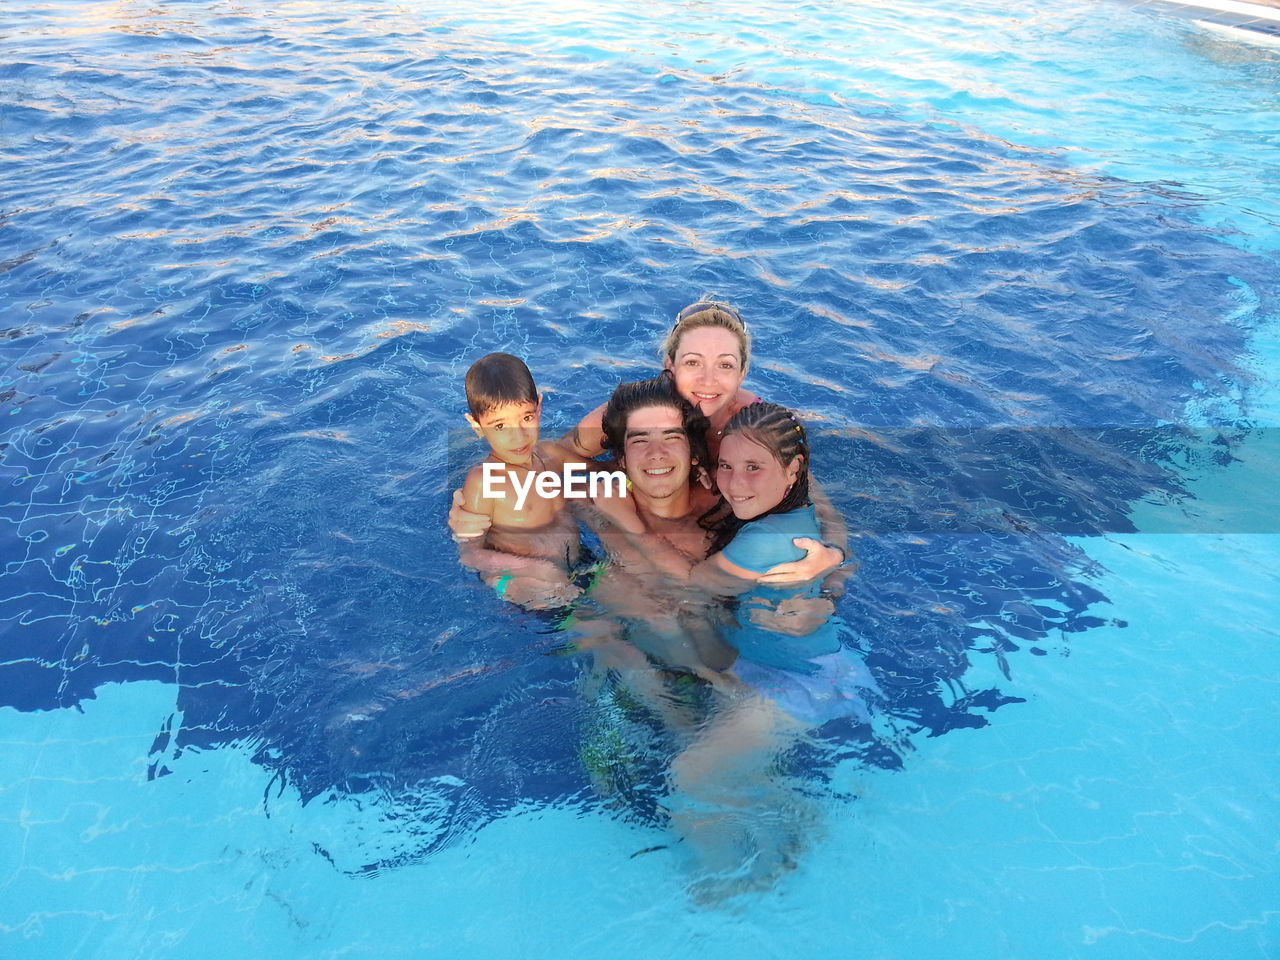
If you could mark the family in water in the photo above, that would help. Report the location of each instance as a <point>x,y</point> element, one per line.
<point>723,559</point>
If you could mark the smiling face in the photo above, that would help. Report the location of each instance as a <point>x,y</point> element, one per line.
<point>708,368</point>
<point>511,429</point>
<point>751,477</point>
<point>655,452</point>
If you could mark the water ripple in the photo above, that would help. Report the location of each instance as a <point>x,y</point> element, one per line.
<point>249,256</point>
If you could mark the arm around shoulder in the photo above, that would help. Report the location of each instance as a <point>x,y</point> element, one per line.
<point>587,438</point>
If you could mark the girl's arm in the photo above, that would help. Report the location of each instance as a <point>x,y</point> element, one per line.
<point>795,616</point>
<point>819,560</point>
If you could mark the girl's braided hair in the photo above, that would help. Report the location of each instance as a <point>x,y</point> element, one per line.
<point>780,432</point>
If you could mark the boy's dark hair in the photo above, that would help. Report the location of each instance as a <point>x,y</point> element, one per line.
<point>658,392</point>
<point>496,379</point>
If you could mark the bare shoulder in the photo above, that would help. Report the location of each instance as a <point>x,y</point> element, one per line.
<point>595,418</point>
<point>743,398</point>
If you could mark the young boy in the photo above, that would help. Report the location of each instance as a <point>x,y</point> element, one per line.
<point>532,543</point>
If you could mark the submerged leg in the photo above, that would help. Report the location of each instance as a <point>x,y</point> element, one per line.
<point>734,814</point>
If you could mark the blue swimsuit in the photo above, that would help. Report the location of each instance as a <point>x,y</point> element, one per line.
<point>812,677</point>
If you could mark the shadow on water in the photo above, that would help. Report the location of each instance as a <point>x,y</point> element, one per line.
<point>231,474</point>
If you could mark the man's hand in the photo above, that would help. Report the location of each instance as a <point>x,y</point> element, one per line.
<point>464,524</point>
<point>817,562</point>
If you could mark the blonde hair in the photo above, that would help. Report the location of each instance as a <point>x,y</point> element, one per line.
<point>715,315</point>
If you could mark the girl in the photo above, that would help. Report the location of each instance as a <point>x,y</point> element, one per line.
<point>791,674</point>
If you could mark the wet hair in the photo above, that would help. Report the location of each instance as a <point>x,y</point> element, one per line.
<point>780,432</point>
<point>497,379</point>
<point>658,392</point>
<point>714,315</point>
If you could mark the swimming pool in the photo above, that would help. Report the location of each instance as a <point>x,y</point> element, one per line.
<point>249,254</point>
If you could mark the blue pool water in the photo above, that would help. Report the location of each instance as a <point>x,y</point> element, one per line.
<point>1017,269</point>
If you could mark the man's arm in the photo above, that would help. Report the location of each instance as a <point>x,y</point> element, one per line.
<point>531,582</point>
<point>492,564</point>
